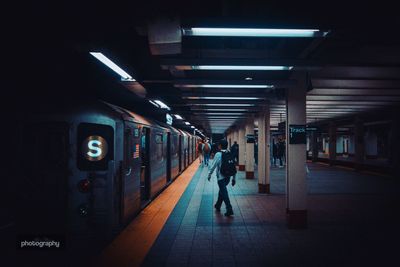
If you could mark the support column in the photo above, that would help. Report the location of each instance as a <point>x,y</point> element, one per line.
<point>296,183</point>
<point>249,149</point>
<point>359,149</point>
<point>314,146</point>
<point>332,143</point>
<point>235,136</point>
<point>264,151</point>
<point>242,148</point>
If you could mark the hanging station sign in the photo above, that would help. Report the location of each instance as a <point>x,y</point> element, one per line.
<point>297,134</point>
<point>168,119</point>
<point>250,138</point>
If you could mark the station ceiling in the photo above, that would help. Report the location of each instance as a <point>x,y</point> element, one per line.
<point>353,69</point>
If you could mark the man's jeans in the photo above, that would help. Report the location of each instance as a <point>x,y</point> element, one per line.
<point>206,158</point>
<point>223,194</point>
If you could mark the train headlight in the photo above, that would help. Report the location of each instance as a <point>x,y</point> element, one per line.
<point>84,185</point>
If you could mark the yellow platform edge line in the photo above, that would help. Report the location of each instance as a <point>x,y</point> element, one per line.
<point>131,246</point>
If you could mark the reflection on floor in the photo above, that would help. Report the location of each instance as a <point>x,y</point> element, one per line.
<point>352,222</point>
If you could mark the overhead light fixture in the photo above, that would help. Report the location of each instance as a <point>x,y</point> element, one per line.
<point>222,98</point>
<point>224,85</point>
<point>214,113</point>
<point>178,117</point>
<point>225,105</point>
<point>106,61</point>
<point>152,102</point>
<point>248,78</point>
<point>162,104</point>
<point>192,127</point>
<point>223,109</point>
<point>236,67</point>
<point>187,123</point>
<point>251,32</point>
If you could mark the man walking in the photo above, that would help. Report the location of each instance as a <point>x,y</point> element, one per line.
<point>225,164</point>
<point>200,151</point>
<point>206,152</point>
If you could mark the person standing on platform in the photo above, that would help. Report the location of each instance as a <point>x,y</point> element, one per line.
<point>225,165</point>
<point>200,151</point>
<point>206,152</point>
<point>280,152</point>
<point>235,151</point>
<point>274,153</point>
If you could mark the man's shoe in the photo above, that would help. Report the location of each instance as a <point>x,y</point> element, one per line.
<point>217,208</point>
<point>229,213</point>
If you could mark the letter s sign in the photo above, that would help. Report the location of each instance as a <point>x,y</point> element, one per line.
<point>95,148</point>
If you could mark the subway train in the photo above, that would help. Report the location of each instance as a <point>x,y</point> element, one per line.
<point>86,172</point>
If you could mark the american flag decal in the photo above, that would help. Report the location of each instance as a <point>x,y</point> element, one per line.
<point>136,151</point>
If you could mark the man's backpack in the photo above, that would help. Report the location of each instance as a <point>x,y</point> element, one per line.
<point>206,147</point>
<point>228,167</point>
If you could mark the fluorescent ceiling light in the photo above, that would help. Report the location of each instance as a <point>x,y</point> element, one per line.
<point>161,104</point>
<point>192,127</point>
<point>235,67</point>
<point>106,61</point>
<point>246,32</point>
<point>225,105</point>
<point>214,113</point>
<point>223,98</point>
<point>178,117</point>
<point>187,123</point>
<point>152,102</point>
<point>223,109</point>
<point>224,85</point>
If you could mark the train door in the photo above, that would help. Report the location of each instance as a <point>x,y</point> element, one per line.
<point>145,167</point>
<point>168,157</point>
<point>180,152</point>
<point>189,150</point>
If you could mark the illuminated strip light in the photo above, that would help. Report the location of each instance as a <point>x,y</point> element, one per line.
<point>248,32</point>
<point>232,67</point>
<point>152,102</point>
<point>222,109</point>
<point>162,104</point>
<point>187,123</point>
<point>225,105</point>
<point>192,127</point>
<point>224,85</point>
<point>106,61</point>
<point>222,98</point>
<point>178,117</point>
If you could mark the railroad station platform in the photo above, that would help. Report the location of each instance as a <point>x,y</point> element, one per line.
<point>352,221</point>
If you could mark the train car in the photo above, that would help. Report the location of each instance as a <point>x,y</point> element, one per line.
<point>88,170</point>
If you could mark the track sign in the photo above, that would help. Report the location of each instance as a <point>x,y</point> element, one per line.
<point>297,134</point>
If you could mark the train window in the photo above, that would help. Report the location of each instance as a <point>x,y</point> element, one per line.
<point>159,146</point>
<point>159,138</point>
<point>95,146</point>
<point>136,132</point>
